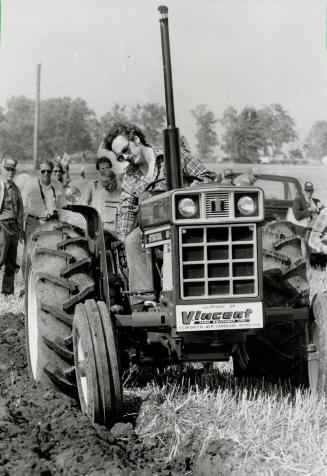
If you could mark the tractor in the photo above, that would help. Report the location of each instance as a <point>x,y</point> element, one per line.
<point>230,281</point>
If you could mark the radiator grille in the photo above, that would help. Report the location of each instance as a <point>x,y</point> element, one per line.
<point>217,204</point>
<point>218,261</point>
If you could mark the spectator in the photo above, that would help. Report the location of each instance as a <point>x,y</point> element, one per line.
<point>145,164</point>
<point>100,193</point>
<point>58,172</point>
<point>307,207</point>
<point>305,210</point>
<point>42,198</point>
<point>11,223</point>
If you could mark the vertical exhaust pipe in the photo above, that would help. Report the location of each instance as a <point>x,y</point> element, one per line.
<point>171,137</point>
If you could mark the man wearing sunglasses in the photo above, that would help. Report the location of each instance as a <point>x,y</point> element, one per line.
<point>145,164</point>
<point>42,197</point>
<point>11,223</point>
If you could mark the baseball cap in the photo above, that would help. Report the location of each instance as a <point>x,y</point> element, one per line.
<point>308,187</point>
<point>9,163</point>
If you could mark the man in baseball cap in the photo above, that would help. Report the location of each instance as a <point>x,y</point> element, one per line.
<point>9,163</point>
<point>11,223</point>
<point>306,208</point>
<point>308,187</point>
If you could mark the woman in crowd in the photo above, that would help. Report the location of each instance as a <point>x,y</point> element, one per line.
<point>58,171</point>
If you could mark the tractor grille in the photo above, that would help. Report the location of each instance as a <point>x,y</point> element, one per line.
<point>217,204</point>
<point>218,261</point>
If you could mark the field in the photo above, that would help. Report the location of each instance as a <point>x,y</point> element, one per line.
<point>186,421</point>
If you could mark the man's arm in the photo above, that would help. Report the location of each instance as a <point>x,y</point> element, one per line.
<point>193,166</point>
<point>128,210</point>
<point>20,213</point>
<point>61,195</point>
<point>87,194</point>
<point>26,196</point>
<point>298,210</point>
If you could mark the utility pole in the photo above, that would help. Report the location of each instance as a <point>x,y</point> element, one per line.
<point>36,117</point>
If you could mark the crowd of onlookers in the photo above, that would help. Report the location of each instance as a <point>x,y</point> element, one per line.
<point>39,199</point>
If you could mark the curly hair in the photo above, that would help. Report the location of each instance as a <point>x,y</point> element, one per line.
<point>128,130</point>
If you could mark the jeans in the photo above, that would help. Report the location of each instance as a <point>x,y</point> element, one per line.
<point>9,258</point>
<point>139,265</point>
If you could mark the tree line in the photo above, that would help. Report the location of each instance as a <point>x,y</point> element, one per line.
<point>69,125</point>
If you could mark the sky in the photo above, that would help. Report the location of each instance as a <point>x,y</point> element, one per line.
<point>224,53</point>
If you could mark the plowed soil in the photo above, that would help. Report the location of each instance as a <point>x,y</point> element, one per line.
<point>44,433</point>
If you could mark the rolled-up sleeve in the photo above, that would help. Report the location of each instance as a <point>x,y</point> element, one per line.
<point>193,166</point>
<point>128,210</point>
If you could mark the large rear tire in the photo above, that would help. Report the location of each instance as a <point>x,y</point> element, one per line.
<point>279,351</point>
<point>59,276</point>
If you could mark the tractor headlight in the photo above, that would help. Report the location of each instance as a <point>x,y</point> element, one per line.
<point>73,194</point>
<point>246,205</point>
<point>187,208</point>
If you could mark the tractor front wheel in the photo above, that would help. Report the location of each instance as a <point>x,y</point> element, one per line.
<point>97,363</point>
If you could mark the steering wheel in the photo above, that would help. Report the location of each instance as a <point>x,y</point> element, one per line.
<point>188,177</point>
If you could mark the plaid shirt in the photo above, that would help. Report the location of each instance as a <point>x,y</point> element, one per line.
<point>134,184</point>
<point>318,235</point>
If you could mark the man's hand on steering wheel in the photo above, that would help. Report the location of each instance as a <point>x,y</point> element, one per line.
<point>189,178</point>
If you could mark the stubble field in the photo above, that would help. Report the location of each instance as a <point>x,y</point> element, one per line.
<point>193,420</point>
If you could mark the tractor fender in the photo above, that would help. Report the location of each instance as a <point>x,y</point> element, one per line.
<point>89,219</point>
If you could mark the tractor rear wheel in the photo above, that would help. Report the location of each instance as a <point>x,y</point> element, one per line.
<point>279,351</point>
<point>59,276</point>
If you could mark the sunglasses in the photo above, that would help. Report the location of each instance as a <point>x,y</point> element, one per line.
<point>46,171</point>
<point>57,172</point>
<point>124,151</point>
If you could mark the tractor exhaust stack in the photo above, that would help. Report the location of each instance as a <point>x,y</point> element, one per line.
<point>171,137</point>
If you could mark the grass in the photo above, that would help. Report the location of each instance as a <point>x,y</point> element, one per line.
<point>255,428</point>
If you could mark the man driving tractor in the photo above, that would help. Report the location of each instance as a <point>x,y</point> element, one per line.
<point>145,166</point>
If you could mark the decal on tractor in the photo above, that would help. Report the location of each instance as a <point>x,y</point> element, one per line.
<point>219,316</point>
